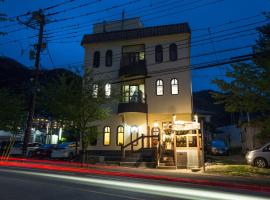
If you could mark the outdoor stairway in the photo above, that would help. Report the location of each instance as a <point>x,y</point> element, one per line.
<point>140,158</point>
<point>166,160</point>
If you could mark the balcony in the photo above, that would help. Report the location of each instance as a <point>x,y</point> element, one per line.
<point>132,65</point>
<point>132,107</point>
<point>132,104</point>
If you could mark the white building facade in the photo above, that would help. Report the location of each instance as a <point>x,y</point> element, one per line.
<point>149,68</point>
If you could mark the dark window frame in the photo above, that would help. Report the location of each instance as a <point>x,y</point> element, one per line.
<point>173,52</point>
<point>96,59</point>
<point>109,58</point>
<point>159,54</point>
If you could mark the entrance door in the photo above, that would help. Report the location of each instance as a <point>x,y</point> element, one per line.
<point>155,132</point>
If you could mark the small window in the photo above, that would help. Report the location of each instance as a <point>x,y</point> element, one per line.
<point>96,60</point>
<point>120,135</point>
<point>174,86</point>
<point>108,90</point>
<point>181,141</point>
<point>173,52</point>
<point>108,58</point>
<point>192,141</point>
<point>95,91</point>
<point>159,54</point>
<point>159,87</point>
<point>107,136</point>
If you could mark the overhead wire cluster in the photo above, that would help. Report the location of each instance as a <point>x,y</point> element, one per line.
<point>154,10</point>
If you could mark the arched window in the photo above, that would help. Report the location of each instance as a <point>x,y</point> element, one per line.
<point>108,61</point>
<point>107,136</point>
<point>96,60</point>
<point>108,90</point>
<point>159,87</point>
<point>174,86</point>
<point>159,54</point>
<point>173,52</point>
<point>95,91</point>
<point>120,135</point>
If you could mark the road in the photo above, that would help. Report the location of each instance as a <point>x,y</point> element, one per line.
<point>23,184</point>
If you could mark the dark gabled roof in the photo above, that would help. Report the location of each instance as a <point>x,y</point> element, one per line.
<point>136,33</point>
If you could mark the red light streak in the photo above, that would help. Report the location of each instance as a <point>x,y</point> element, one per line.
<point>131,175</point>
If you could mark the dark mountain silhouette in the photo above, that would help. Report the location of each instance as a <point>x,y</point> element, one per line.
<point>17,77</point>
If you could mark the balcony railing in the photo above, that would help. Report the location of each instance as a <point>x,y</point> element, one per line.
<point>132,68</point>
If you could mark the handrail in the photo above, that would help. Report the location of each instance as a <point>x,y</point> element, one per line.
<point>142,137</point>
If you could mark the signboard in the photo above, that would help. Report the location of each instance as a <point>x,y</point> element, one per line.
<point>185,126</point>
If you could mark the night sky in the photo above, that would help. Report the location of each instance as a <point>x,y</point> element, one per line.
<point>216,25</point>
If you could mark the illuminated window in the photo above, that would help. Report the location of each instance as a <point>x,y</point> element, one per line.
<point>95,90</point>
<point>181,141</point>
<point>174,86</point>
<point>159,54</point>
<point>108,90</point>
<point>159,86</point>
<point>134,134</point>
<point>192,141</point>
<point>96,60</point>
<point>108,61</point>
<point>120,135</point>
<point>107,136</point>
<point>173,52</point>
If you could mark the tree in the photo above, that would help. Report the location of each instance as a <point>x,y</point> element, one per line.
<point>249,87</point>
<point>70,99</point>
<point>12,111</point>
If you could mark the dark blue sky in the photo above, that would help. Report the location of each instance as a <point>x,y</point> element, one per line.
<point>232,24</point>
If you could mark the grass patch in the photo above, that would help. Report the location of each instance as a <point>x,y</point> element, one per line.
<point>238,170</point>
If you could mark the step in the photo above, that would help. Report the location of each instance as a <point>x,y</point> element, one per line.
<point>138,164</point>
<point>167,164</point>
<point>166,167</point>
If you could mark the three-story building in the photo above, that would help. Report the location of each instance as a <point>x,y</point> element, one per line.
<point>149,68</point>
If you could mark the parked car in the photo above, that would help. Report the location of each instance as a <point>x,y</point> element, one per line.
<point>65,150</point>
<point>259,157</point>
<point>18,146</point>
<point>44,151</point>
<point>218,147</point>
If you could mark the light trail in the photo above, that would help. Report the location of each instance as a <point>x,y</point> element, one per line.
<point>103,172</point>
<point>160,190</point>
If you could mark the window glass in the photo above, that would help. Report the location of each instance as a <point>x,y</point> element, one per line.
<point>120,135</point>
<point>133,93</point>
<point>159,53</point>
<point>192,141</point>
<point>159,89</point>
<point>95,90</point>
<point>173,52</point>
<point>108,58</point>
<point>107,135</point>
<point>181,141</point>
<point>174,86</point>
<point>108,90</point>
<point>96,61</point>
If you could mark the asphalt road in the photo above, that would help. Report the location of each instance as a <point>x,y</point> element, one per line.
<point>22,184</point>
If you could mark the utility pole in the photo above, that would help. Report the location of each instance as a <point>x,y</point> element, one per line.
<point>37,18</point>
